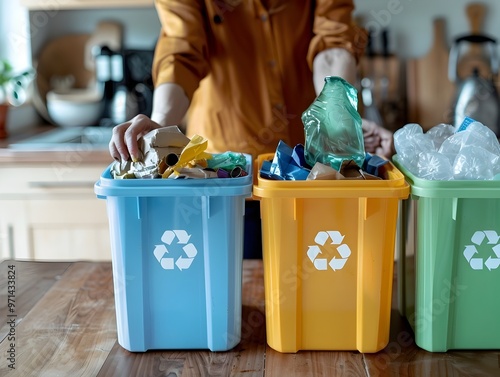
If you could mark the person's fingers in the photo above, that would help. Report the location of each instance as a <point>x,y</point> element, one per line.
<point>384,151</point>
<point>372,139</point>
<point>140,126</point>
<point>371,143</point>
<point>386,147</point>
<point>378,139</point>
<point>369,127</point>
<point>124,142</point>
<point>387,142</point>
<point>113,151</point>
<point>117,147</point>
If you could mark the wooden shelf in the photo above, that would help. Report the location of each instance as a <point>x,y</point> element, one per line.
<point>84,4</point>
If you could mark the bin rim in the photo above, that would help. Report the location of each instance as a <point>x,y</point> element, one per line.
<point>395,187</point>
<point>427,188</point>
<point>108,186</point>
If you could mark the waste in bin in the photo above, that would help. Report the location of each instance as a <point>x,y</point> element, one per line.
<point>177,249</point>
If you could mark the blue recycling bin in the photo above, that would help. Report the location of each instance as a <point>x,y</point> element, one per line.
<point>177,251</point>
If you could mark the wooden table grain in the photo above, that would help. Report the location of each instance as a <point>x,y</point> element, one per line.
<point>58,319</point>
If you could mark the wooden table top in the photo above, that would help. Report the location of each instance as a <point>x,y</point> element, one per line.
<point>60,321</point>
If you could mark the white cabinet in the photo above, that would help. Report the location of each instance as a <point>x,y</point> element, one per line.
<point>84,4</point>
<point>49,212</point>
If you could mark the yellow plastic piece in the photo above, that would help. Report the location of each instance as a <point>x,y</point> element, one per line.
<point>194,150</point>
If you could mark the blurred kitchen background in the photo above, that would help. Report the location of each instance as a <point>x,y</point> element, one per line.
<point>404,76</point>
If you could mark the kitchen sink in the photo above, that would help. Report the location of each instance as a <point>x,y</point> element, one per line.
<point>64,138</point>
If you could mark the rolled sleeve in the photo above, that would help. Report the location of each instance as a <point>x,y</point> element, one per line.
<point>181,51</point>
<point>334,27</point>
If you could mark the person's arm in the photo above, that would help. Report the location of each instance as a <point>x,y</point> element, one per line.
<point>180,63</point>
<point>333,28</point>
<point>335,50</point>
<point>333,62</point>
<point>340,62</point>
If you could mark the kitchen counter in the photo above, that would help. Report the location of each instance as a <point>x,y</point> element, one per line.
<point>65,325</point>
<point>48,201</point>
<point>64,154</point>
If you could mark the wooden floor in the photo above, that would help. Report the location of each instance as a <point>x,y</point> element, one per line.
<point>65,326</point>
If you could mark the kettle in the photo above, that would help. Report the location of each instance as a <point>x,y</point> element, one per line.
<point>476,96</point>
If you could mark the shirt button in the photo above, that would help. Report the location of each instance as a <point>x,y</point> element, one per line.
<point>263,17</point>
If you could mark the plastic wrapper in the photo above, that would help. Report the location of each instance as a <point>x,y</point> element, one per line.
<point>373,164</point>
<point>465,124</point>
<point>438,134</point>
<point>290,164</point>
<point>227,161</point>
<point>434,166</point>
<point>193,173</point>
<point>286,164</point>
<point>323,172</point>
<point>475,163</point>
<point>233,173</point>
<point>194,150</point>
<point>332,125</point>
<point>351,170</point>
<point>167,153</point>
<point>471,152</point>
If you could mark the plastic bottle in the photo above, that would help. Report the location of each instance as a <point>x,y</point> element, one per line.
<point>332,126</point>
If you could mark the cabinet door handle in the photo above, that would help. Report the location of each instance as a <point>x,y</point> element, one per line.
<point>69,184</point>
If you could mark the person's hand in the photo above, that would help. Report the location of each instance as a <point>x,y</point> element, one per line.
<point>123,145</point>
<point>170,104</point>
<point>378,140</point>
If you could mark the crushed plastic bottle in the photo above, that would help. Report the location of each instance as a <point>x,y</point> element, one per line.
<point>410,142</point>
<point>471,152</point>
<point>474,163</point>
<point>332,125</point>
<point>438,134</point>
<point>435,166</point>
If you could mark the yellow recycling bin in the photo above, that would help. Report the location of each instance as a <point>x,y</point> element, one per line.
<point>328,254</point>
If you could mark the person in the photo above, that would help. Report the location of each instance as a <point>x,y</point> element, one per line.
<point>241,72</point>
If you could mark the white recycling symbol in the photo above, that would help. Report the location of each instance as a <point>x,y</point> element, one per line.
<point>162,253</point>
<point>321,239</point>
<point>477,240</point>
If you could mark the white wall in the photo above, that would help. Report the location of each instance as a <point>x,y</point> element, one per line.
<point>14,34</point>
<point>23,33</point>
<point>140,25</point>
<point>409,21</point>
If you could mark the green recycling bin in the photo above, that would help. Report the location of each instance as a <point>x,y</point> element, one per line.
<point>448,253</point>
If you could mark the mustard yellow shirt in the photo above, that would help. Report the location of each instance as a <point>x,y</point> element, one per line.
<point>246,64</point>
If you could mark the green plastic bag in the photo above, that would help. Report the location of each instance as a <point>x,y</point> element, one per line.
<point>332,126</point>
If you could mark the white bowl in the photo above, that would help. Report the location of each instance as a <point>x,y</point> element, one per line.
<point>75,107</point>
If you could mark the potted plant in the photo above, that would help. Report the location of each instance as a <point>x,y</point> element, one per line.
<point>13,90</point>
